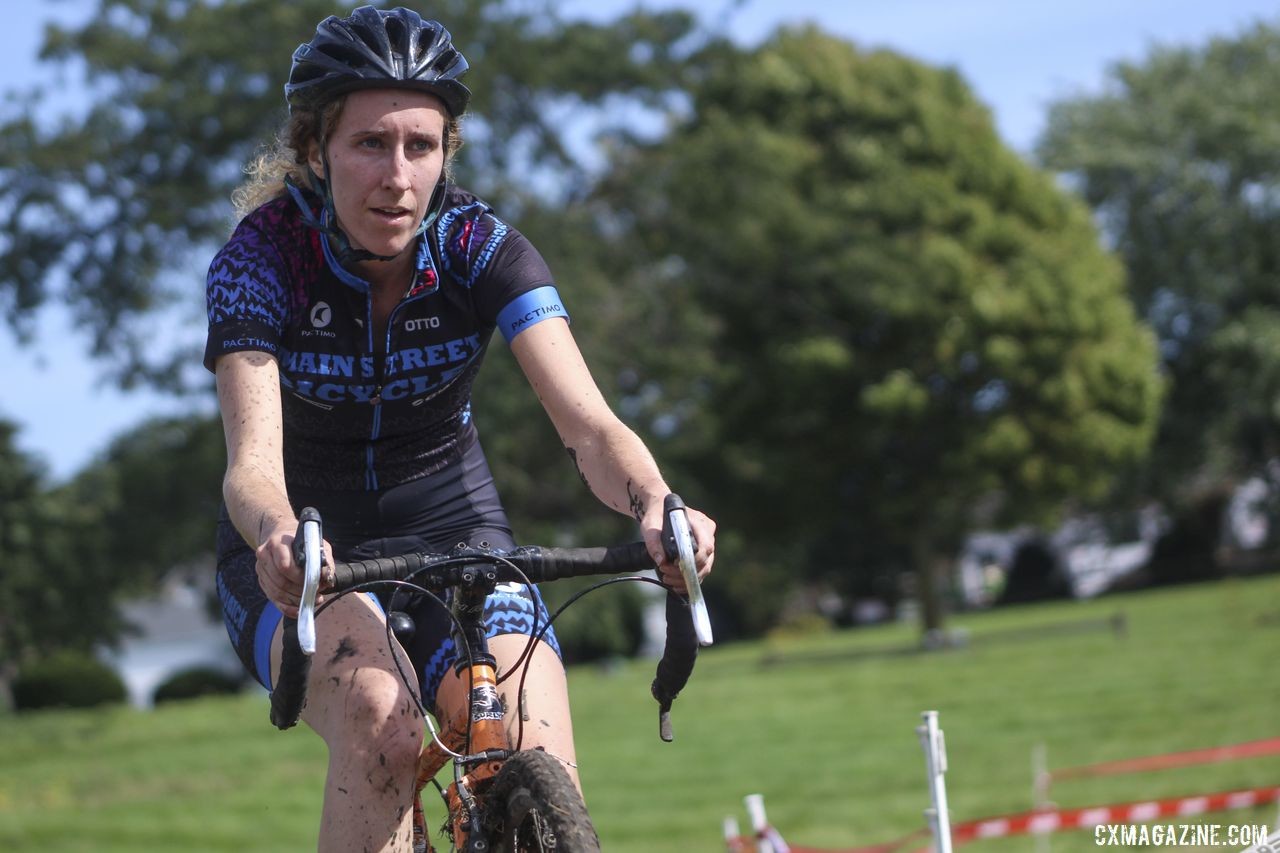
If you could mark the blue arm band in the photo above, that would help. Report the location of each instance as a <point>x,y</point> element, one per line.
<point>529,309</point>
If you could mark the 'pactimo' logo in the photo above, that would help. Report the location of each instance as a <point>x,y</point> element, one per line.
<point>321,315</point>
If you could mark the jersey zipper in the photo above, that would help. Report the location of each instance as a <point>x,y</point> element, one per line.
<point>379,370</point>
<point>379,365</point>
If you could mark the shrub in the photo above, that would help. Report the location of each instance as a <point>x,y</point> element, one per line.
<point>1036,575</point>
<point>66,680</point>
<point>1187,551</point>
<point>195,682</point>
<point>800,624</point>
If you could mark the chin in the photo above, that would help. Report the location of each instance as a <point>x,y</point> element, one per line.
<point>388,248</point>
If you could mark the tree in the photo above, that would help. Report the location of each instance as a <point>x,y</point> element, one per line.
<point>106,211</point>
<point>1178,157</point>
<point>73,552</point>
<point>918,332</point>
<point>55,594</point>
<point>156,490</point>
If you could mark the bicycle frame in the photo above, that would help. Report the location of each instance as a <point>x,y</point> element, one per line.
<point>475,737</point>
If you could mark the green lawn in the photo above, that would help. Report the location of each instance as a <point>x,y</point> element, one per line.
<point>826,733</point>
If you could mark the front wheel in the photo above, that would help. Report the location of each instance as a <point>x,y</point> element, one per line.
<point>535,807</point>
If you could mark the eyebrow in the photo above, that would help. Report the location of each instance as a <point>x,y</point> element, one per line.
<point>383,132</point>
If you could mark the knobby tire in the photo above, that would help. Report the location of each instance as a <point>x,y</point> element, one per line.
<point>535,807</point>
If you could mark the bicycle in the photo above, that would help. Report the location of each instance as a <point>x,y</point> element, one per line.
<point>501,798</point>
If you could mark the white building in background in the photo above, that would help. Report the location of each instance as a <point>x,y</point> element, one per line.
<point>176,632</point>
<point>1087,554</point>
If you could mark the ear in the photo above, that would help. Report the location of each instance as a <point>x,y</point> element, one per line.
<point>315,161</point>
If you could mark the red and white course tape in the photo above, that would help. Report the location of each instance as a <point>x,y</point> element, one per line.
<point>1062,820</point>
<point>1046,821</point>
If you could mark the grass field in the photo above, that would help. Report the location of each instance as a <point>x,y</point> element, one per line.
<point>826,732</point>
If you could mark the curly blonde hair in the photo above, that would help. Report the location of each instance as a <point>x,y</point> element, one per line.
<point>286,155</point>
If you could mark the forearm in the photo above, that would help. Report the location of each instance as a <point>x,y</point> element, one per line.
<point>618,468</point>
<point>253,487</point>
<point>256,502</point>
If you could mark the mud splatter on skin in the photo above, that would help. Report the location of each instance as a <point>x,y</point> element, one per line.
<point>573,454</point>
<point>346,649</point>
<point>636,505</point>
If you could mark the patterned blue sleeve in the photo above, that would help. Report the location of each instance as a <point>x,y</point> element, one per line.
<point>246,297</point>
<point>510,283</point>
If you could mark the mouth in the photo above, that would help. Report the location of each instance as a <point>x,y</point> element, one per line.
<point>392,215</point>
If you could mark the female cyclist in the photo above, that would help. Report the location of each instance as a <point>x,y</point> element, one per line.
<point>348,315</point>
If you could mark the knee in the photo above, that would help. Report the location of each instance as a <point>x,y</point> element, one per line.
<point>373,719</point>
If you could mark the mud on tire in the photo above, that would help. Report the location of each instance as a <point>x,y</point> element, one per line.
<point>535,807</point>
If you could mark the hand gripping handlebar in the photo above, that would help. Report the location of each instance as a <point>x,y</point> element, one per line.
<point>290,691</point>
<point>687,623</point>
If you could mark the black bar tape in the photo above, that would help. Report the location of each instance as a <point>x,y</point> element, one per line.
<point>548,564</point>
<point>347,575</point>
<point>676,665</point>
<point>291,688</point>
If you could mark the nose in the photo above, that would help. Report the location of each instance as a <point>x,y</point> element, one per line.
<point>397,174</point>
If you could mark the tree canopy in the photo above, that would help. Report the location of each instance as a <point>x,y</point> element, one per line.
<point>1179,155</point>
<point>918,332</point>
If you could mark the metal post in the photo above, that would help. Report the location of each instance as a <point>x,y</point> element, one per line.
<point>1040,780</point>
<point>935,756</point>
<point>732,835</point>
<point>755,810</point>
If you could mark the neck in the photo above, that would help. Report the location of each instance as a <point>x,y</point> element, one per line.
<point>382,275</point>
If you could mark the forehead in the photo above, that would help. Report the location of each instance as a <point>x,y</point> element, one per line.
<point>369,107</point>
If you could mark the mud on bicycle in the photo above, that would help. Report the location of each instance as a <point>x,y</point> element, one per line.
<point>501,798</point>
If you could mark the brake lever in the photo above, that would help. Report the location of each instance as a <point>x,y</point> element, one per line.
<point>679,545</point>
<point>308,552</point>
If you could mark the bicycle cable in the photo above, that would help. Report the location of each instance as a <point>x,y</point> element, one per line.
<point>536,638</point>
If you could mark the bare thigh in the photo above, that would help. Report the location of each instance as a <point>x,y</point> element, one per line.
<point>353,652</point>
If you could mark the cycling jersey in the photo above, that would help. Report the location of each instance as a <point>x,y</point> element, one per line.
<point>360,413</point>
<point>365,420</point>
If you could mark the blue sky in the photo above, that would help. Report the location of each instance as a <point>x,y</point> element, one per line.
<point>1017,55</point>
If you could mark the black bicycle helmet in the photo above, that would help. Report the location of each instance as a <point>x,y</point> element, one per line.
<point>375,49</point>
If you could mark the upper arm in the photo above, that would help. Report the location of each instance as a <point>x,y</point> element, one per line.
<point>553,364</point>
<point>249,399</point>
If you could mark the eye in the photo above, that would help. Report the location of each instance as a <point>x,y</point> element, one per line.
<point>370,142</point>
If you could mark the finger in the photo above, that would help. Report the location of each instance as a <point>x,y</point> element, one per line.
<point>276,580</point>
<point>280,596</point>
<point>674,578</point>
<point>270,578</point>
<point>704,565</point>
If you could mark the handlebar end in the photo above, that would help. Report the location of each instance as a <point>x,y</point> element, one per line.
<point>664,726</point>
<point>665,698</point>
